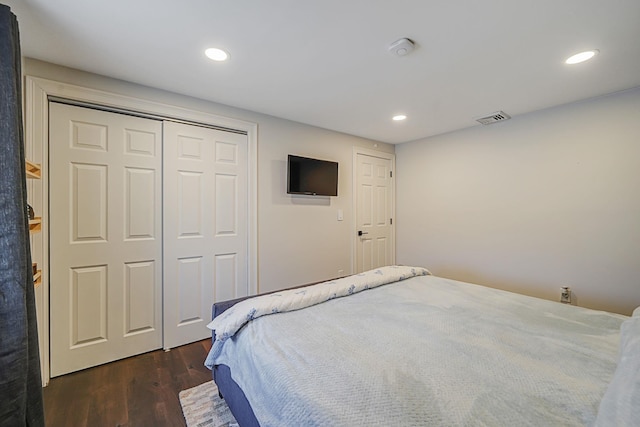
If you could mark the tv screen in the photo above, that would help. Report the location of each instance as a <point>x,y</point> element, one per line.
<point>312,176</point>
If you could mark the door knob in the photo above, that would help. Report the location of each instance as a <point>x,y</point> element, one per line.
<point>360,233</point>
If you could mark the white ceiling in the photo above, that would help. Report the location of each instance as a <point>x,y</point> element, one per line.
<point>326,63</point>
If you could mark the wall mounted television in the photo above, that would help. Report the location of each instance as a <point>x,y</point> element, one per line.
<point>311,176</point>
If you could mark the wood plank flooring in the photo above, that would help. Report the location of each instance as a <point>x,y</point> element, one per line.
<point>136,392</point>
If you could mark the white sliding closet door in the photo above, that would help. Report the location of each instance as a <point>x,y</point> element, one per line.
<point>205,226</point>
<point>106,242</point>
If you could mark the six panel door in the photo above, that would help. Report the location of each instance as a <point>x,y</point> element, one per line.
<point>205,226</point>
<point>106,242</point>
<point>374,246</point>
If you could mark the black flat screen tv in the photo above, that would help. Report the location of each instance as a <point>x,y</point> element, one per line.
<point>312,176</point>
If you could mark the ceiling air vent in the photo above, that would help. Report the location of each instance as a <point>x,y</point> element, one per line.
<point>498,116</point>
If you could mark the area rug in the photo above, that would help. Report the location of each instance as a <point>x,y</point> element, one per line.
<point>202,407</point>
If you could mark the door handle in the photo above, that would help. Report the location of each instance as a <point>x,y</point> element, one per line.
<point>360,233</point>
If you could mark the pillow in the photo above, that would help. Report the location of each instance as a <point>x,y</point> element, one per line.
<point>620,405</point>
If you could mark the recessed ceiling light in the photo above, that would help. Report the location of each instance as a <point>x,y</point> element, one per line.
<point>581,57</point>
<point>399,117</point>
<point>216,54</point>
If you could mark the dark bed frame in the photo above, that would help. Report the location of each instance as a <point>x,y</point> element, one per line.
<point>227,387</point>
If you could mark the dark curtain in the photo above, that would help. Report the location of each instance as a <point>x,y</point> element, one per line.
<point>20,381</point>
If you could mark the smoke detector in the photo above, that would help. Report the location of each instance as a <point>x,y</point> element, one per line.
<point>498,116</point>
<point>402,47</point>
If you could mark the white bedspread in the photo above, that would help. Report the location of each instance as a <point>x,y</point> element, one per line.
<point>228,323</point>
<point>426,351</point>
<point>620,405</point>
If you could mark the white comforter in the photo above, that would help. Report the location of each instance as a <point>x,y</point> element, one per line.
<point>424,351</point>
<point>228,323</point>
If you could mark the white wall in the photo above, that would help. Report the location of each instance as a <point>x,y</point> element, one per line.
<point>299,238</point>
<point>546,199</point>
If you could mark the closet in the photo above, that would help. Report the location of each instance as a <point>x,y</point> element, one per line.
<point>148,226</point>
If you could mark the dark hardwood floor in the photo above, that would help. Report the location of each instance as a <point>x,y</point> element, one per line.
<point>136,392</point>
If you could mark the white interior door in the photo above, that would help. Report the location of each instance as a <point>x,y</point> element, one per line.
<point>374,207</point>
<point>105,236</point>
<point>205,226</point>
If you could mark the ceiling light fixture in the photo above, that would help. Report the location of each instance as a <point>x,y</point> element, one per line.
<point>216,54</point>
<point>581,57</point>
<point>399,117</point>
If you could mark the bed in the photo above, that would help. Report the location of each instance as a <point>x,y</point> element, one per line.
<point>399,346</point>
